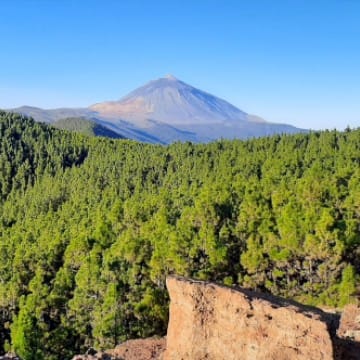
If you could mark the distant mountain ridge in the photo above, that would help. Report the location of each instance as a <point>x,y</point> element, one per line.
<point>167,110</point>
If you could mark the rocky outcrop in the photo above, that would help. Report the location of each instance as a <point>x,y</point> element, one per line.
<point>212,322</point>
<point>139,349</point>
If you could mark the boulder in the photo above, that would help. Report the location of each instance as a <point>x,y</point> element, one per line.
<point>212,322</point>
<point>140,349</point>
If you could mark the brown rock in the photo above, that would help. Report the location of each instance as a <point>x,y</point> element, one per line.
<point>212,322</point>
<point>350,323</point>
<point>140,349</point>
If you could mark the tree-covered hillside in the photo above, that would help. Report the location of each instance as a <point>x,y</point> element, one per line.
<point>89,228</point>
<point>85,126</point>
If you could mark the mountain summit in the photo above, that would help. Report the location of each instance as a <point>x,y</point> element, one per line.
<point>173,102</point>
<point>167,110</point>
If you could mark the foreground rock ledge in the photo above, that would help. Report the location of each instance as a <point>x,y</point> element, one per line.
<point>211,322</point>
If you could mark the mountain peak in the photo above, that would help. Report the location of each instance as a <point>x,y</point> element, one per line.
<point>165,110</point>
<point>171,101</point>
<point>170,77</point>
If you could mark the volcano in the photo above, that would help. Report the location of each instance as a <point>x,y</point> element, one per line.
<point>167,110</point>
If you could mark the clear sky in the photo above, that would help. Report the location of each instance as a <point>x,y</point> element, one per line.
<point>290,61</point>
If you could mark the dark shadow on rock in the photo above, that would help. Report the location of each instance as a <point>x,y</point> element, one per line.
<point>346,349</point>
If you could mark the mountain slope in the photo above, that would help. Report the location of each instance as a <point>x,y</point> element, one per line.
<point>86,127</point>
<point>51,115</point>
<point>173,102</point>
<point>167,110</point>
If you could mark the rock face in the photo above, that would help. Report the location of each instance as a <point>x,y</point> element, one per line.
<point>212,322</point>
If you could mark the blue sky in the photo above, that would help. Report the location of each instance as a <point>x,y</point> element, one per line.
<point>292,61</point>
